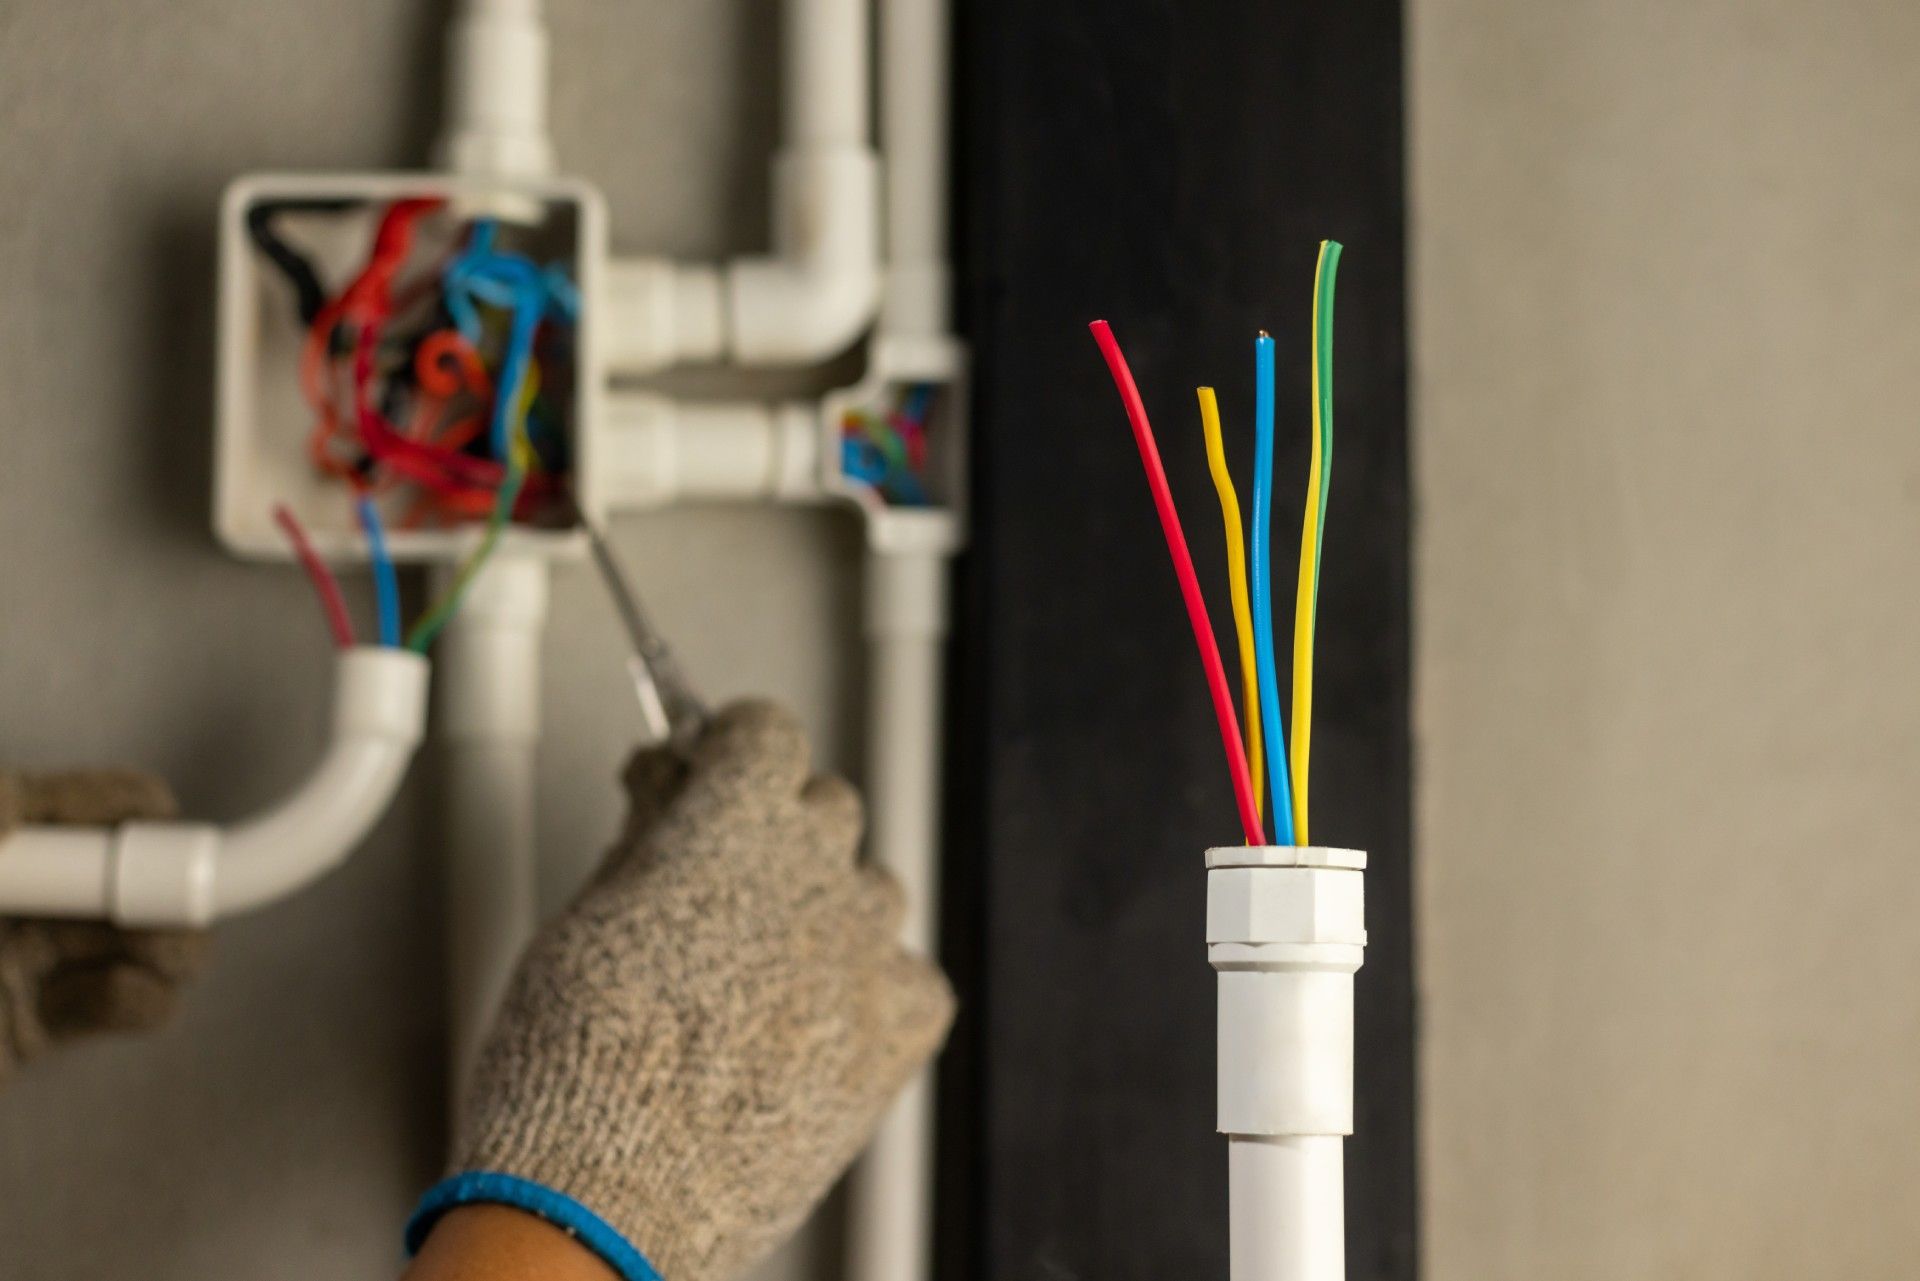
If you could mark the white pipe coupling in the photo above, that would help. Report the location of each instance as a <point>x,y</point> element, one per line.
<point>655,450</point>
<point>1286,932</point>
<point>496,124</point>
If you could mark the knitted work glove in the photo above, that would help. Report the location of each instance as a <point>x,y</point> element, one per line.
<point>692,1053</point>
<point>65,979</point>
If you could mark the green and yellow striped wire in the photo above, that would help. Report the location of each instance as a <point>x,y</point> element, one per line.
<point>1306,609</point>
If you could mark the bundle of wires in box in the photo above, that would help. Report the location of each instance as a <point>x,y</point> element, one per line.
<point>437,384</point>
<point>1264,747</point>
<point>886,450</point>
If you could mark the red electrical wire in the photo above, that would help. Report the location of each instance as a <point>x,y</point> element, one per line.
<point>325,585</point>
<point>1189,583</point>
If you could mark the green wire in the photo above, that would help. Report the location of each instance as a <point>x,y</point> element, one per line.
<point>430,624</point>
<point>1323,363</point>
<point>885,439</point>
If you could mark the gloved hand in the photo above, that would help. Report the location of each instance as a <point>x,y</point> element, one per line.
<point>694,1051</point>
<point>64,979</point>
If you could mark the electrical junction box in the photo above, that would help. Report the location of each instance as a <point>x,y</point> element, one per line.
<point>264,422</point>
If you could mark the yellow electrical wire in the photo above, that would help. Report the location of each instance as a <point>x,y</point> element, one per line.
<point>1237,590</point>
<point>1307,594</point>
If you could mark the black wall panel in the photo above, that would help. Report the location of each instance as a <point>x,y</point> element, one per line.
<point>1169,166</point>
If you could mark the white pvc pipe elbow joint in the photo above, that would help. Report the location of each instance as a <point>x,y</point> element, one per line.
<point>1286,931</point>
<point>189,874</point>
<point>819,291</point>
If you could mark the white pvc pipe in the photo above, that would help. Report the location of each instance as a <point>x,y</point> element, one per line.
<point>655,449</point>
<point>890,1200</point>
<point>1286,932</point>
<point>828,44</point>
<point>496,109</point>
<point>656,313</point>
<point>188,874</point>
<point>489,719</point>
<point>1286,1205</point>
<point>818,290</point>
<point>915,79</point>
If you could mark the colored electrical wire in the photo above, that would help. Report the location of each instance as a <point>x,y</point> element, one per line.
<point>519,457</point>
<point>386,582</point>
<point>325,585</point>
<point>309,295</point>
<point>401,392</point>
<point>1313,526</point>
<point>1236,587</point>
<point>421,638</point>
<point>1261,576</point>
<point>1189,583</point>
<point>501,279</point>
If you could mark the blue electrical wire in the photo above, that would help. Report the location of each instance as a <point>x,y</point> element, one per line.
<point>505,280</point>
<point>456,283</point>
<point>386,583</point>
<point>1260,576</point>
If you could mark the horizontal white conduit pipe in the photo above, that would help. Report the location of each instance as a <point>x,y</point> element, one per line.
<point>819,289</point>
<point>655,450</point>
<point>1286,931</point>
<point>189,874</point>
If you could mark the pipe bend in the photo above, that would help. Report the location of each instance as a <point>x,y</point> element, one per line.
<point>379,712</point>
<point>820,290</point>
<point>188,874</point>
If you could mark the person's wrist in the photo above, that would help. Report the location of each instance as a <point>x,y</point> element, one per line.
<point>619,1257</point>
<point>488,1242</point>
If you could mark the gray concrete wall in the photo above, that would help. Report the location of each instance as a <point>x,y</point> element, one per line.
<point>283,1126</point>
<point>1666,305</point>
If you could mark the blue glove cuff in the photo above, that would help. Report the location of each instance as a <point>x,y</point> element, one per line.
<point>481,1187</point>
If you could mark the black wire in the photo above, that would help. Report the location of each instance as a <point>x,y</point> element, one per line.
<point>310,294</point>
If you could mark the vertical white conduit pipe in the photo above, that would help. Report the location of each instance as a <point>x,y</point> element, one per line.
<point>890,1206</point>
<point>817,293</point>
<point>827,98</point>
<point>496,115</point>
<point>914,131</point>
<point>489,715</point>
<point>489,698</point>
<point>890,1203</point>
<point>1286,931</point>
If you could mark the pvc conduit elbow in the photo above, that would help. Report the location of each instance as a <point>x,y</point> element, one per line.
<point>1286,933</point>
<point>819,291</point>
<point>655,450</point>
<point>496,124</point>
<point>379,710</point>
<point>188,874</point>
<point>808,301</point>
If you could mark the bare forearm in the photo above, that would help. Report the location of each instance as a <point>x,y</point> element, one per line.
<point>495,1243</point>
